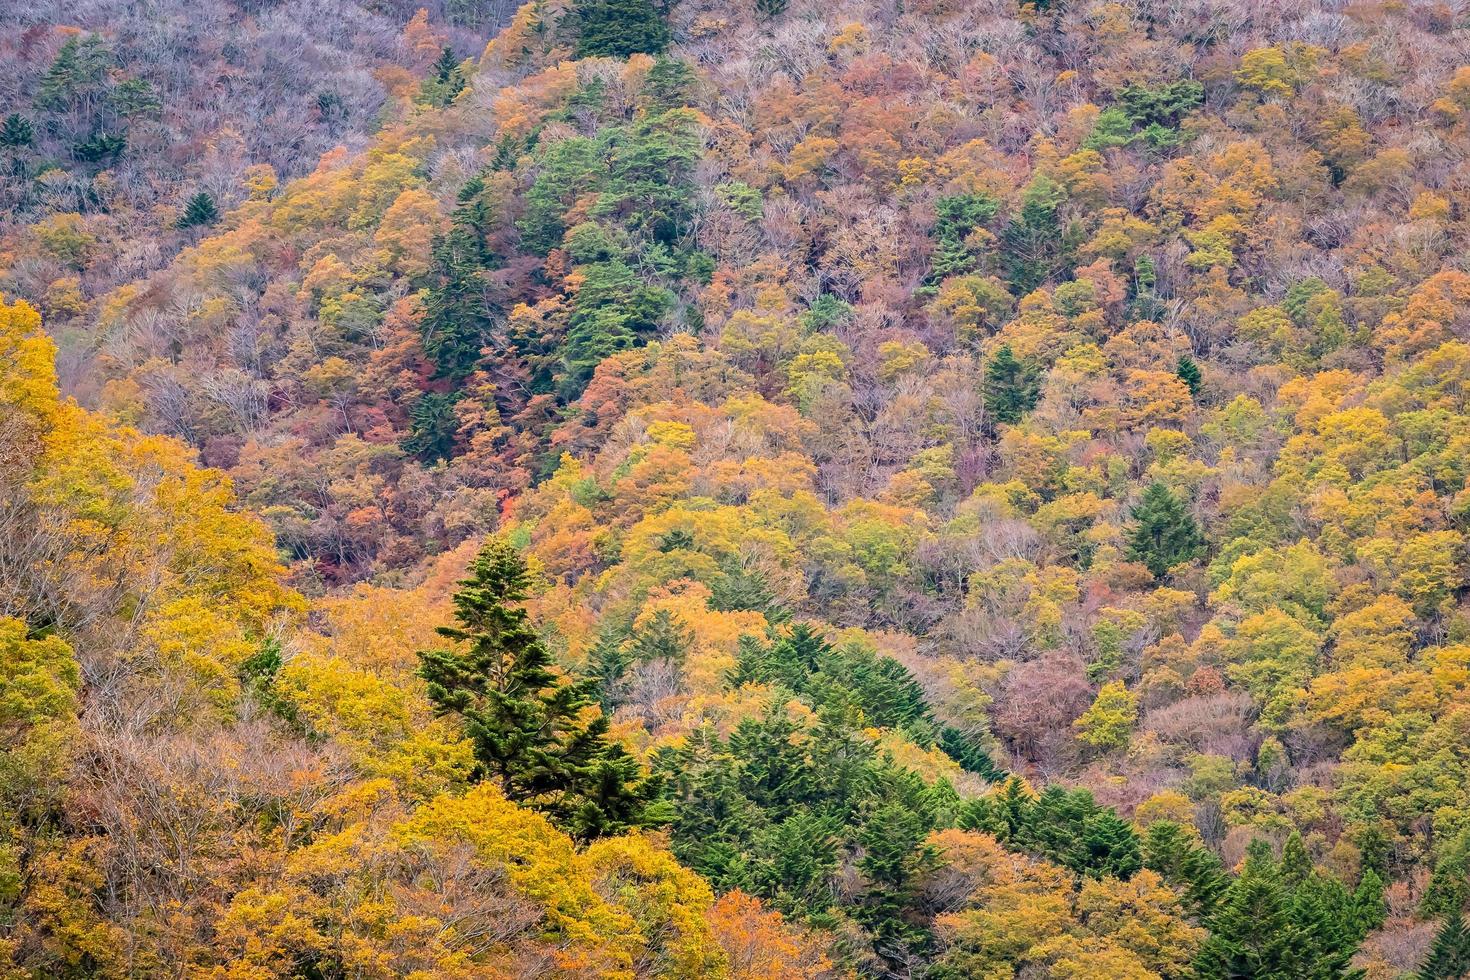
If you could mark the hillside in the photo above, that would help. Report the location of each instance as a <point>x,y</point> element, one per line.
<point>931,489</point>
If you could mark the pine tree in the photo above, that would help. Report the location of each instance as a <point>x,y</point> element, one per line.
<point>1164,534</point>
<point>1283,922</point>
<point>1188,372</point>
<point>608,664</point>
<point>524,723</point>
<point>894,856</point>
<point>1449,956</point>
<point>1368,906</point>
<point>1032,244</point>
<point>200,210</point>
<point>1012,387</point>
<point>619,28</point>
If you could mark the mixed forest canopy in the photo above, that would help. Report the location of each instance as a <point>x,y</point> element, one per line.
<point>771,489</point>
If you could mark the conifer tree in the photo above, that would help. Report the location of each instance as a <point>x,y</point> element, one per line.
<point>16,132</point>
<point>1012,387</point>
<point>1187,865</point>
<point>619,28</point>
<point>459,311</point>
<point>1188,372</point>
<point>444,82</point>
<point>1250,933</point>
<point>524,722</point>
<point>1449,955</point>
<point>1448,891</point>
<point>662,638</point>
<point>1164,534</point>
<point>200,210</point>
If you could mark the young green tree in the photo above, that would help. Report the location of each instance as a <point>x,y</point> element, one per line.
<point>1283,921</point>
<point>525,723</point>
<point>460,309</point>
<point>1164,534</point>
<point>1448,892</point>
<point>1188,372</point>
<point>1250,933</point>
<point>200,210</point>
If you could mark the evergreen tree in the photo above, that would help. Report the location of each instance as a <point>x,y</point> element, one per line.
<point>662,638</point>
<point>1064,826</point>
<point>1449,956</point>
<point>433,426</point>
<point>1188,372</point>
<point>669,84</point>
<point>460,311</point>
<point>1032,245</point>
<point>608,663</point>
<point>1282,922</point>
<point>16,132</point>
<point>1012,387</point>
<point>77,76</point>
<point>894,856</point>
<point>523,722</point>
<point>619,28</point>
<point>1185,864</point>
<point>969,753</point>
<point>1164,534</point>
<point>744,588</point>
<point>1368,906</point>
<point>444,82</point>
<point>99,146</point>
<point>1448,892</point>
<point>1250,933</point>
<point>770,8</point>
<point>200,210</point>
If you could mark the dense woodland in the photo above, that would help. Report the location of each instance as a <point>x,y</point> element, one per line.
<point>932,489</point>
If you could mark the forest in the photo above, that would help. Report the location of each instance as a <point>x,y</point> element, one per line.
<point>744,489</point>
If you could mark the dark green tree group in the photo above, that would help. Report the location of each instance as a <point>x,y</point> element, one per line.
<point>1061,825</point>
<point>618,28</point>
<point>1286,919</point>
<point>1449,955</point>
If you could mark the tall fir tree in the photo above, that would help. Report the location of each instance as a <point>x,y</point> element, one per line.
<point>1187,370</point>
<point>461,309</point>
<point>1163,534</point>
<point>1012,387</point>
<point>1449,954</point>
<point>1448,892</point>
<point>524,723</point>
<point>1250,933</point>
<point>16,132</point>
